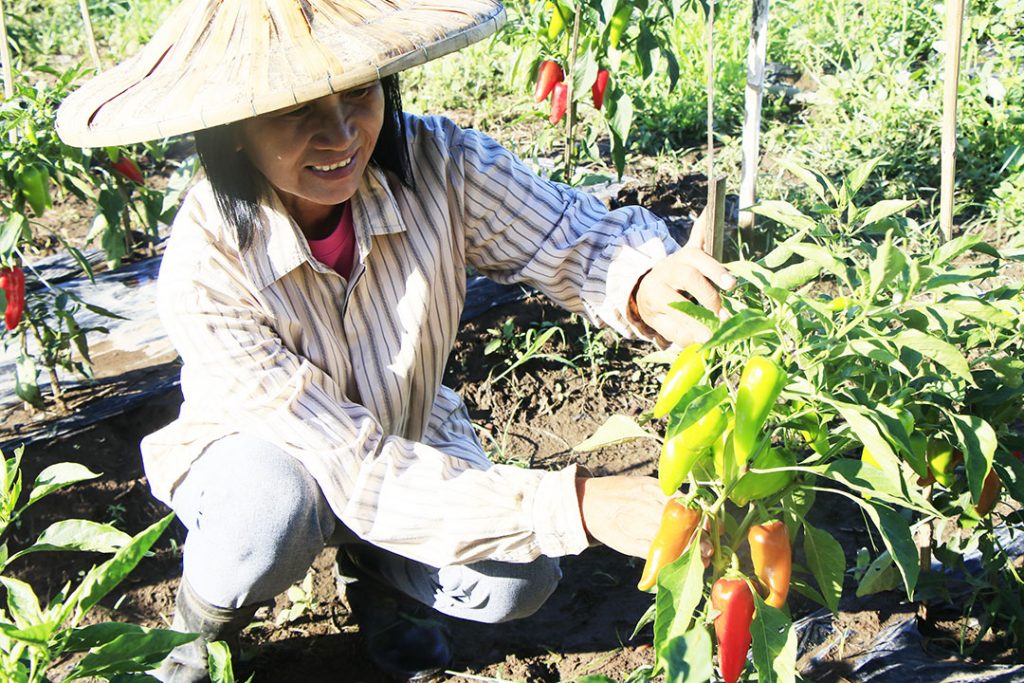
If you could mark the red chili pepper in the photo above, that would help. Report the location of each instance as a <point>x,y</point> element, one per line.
<point>772,557</point>
<point>127,168</point>
<point>990,491</point>
<point>678,523</point>
<point>548,75</point>
<point>12,280</point>
<point>559,102</point>
<point>735,605</point>
<point>599,88</point>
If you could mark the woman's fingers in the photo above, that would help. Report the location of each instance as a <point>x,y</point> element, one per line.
<point>688,273</point>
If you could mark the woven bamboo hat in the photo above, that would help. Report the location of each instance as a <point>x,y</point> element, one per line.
<point>218,61</point>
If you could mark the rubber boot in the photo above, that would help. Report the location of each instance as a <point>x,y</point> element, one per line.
<point>404,638</point>
<point>188,663</point>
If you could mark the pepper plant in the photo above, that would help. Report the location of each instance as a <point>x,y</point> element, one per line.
<point>35,167</point>
<point>573,53</point>
<point>858,369</point>
<point>34,635</point>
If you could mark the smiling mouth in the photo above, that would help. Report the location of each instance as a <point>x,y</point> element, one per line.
<point>334,166</point>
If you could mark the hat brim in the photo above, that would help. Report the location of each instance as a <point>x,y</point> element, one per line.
<point>215,62</point>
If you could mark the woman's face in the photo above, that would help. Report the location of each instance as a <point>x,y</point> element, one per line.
<point>314,154</point>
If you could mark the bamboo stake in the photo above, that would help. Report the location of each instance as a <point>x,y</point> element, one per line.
<point>757,52</point>
<point>5,57</point>
<point>954,31</point>
<point>714,227</point>
<point>90,38</point>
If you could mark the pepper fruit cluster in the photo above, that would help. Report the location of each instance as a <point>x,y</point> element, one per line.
<point>733,438</point>
<point>12,281</point>
<point>551,83</point>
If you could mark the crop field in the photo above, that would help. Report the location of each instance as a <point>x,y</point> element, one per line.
<point>845,449</point>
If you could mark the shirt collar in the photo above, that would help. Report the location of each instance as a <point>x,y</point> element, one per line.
<point>281,247</point>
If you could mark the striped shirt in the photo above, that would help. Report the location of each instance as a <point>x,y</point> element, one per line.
<point>345,374</point>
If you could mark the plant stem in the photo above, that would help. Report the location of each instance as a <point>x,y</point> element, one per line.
<point>570,147</point>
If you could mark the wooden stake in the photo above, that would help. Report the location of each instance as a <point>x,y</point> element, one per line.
<point>90,39</point>
<point>757,51</point>
<point>714,227</point>
<point>954,31</point>
<point>5,55</point>
<point>8,73</point>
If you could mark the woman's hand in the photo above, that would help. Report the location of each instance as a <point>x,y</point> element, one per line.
<point>621,512</point>
<point>624,513</point>
<point>689,272</point>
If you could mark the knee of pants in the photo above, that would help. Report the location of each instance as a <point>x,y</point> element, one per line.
<point>256,523</point>
<point>495,592</point>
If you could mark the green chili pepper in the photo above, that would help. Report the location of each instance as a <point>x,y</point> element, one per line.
<point>559,13</point>
<point>34,183</point>
<point>755,486</point>
<point>942,460</point>
<point>618,23</point>
<point>681,452</point>
<point>760,384</point>
<point>684,374</point>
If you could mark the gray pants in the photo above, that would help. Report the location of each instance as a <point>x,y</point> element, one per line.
<point>256,520</point>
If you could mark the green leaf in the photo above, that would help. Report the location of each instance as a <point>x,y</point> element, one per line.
<point>978,442</point>
<point>38,635</point>
<point>888,263</point>
<point>868,480</point>
<point>880,576</point>
<point>858,176</point>
<point>742,326</point>
<point>687,412</point>
<point>621,117</point>
<point>78,534</point>
<point>936,350</point>
<point>818,183</point>
<point>796,275</point>
<point>898,540</point>
<point>26,384</point>
<point>885,208</point>
<point>680,589</point>
<point>699,313</point>
<point>827,562</point>
<point>11,234</point>
<point>104,578</point>
<point>132,649</point>
<point>773,644</point>
<point>22,602</point>
<point>219,662</point>
<point>584,75</point>
<point>58,476</point>
<point>869,435</point>
<point>821,256</point>
<point>687,658</point>
<point>785,213</point>
<point>616,429</point>
<point>955,247</point>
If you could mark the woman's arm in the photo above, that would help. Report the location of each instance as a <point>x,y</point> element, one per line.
<point>523,228</point>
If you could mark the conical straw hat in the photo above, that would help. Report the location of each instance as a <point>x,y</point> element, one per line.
<point>217,61</point>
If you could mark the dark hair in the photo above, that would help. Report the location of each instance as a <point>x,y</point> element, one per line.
<point>239,188</point>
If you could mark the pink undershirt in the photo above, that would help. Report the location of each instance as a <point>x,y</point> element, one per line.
<point>338,249</point>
